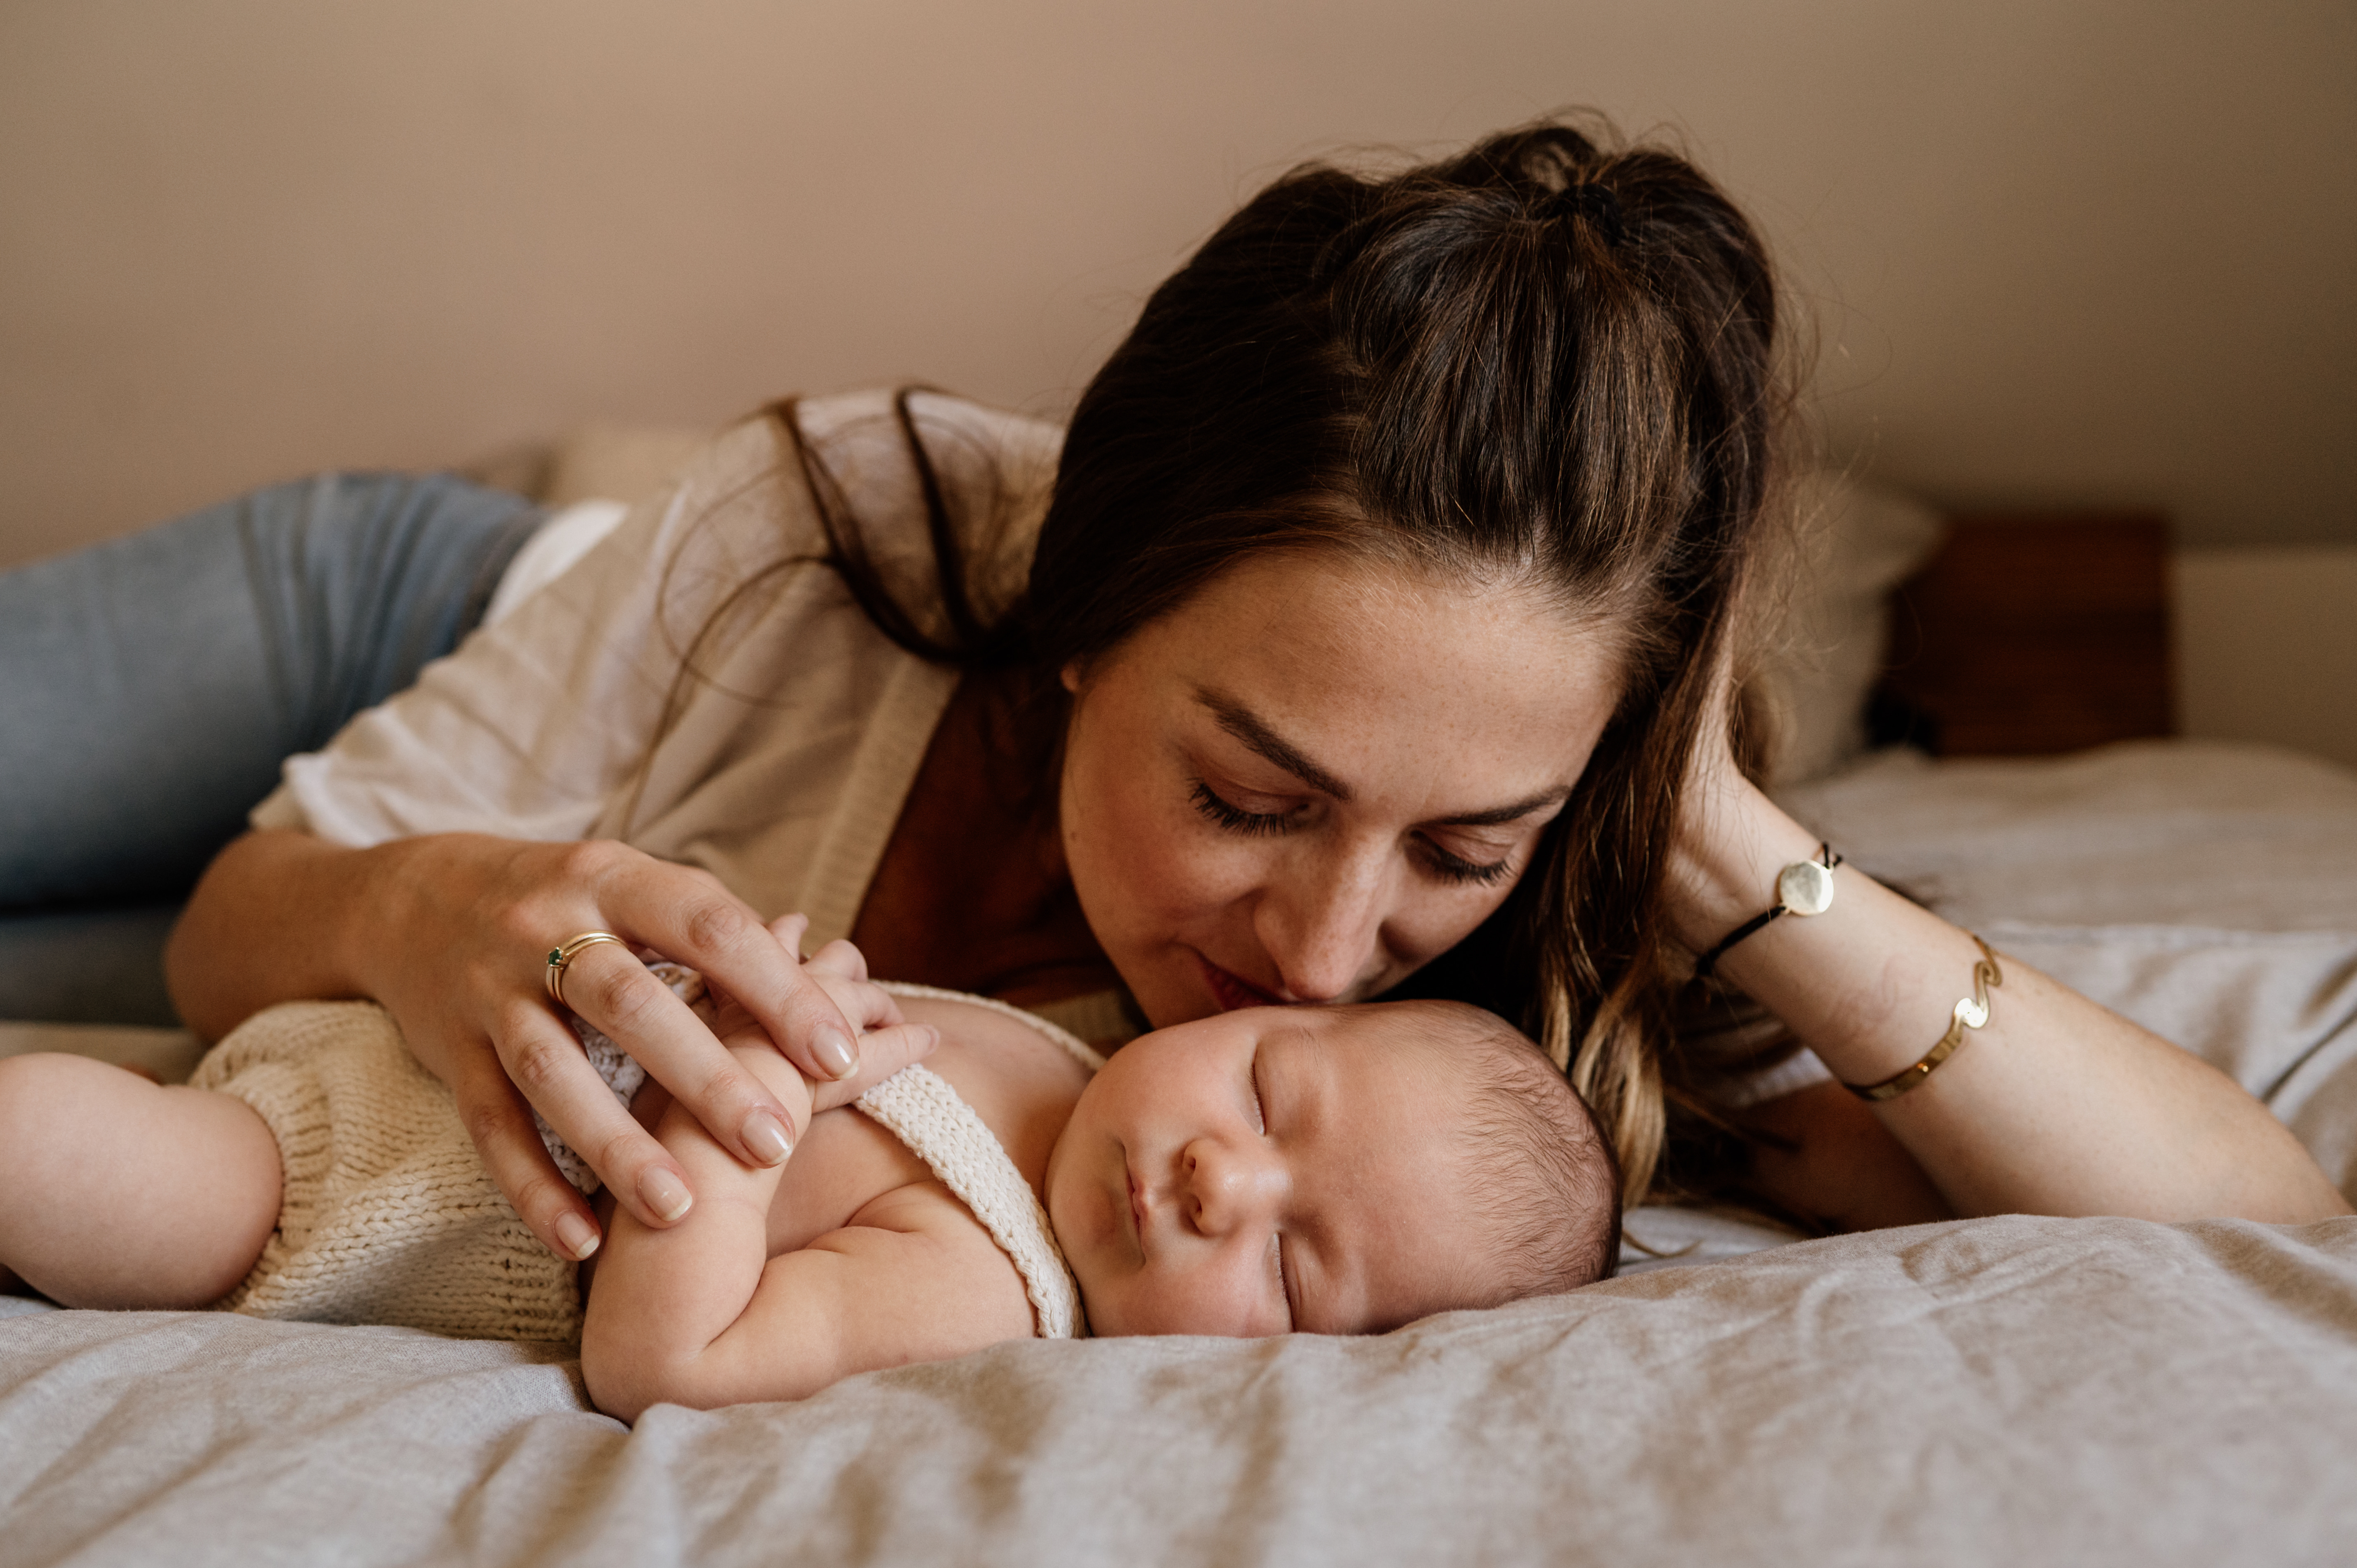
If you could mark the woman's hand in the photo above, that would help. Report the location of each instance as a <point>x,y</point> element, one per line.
<point>451,933</point>
<point>888,1042</point>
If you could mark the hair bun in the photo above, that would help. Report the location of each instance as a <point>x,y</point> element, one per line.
<point>1588,200</point>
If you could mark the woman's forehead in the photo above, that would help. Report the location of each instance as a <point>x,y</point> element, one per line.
<point>1345,660</point>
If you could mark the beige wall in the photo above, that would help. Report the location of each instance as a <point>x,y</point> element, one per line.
<point>2266,646</point>
<point>2059,251</point>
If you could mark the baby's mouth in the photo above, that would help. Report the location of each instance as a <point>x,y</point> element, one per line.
<point>1231,991</point>
<point>1137,1207</point>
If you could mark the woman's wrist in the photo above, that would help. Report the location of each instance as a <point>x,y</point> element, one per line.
<point>1857,982</point>
<point>1724,861</point>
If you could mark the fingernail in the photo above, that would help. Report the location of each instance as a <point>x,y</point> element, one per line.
<point>765,1138</point>
<point>833,1048</point>
<point>662,1192</point>
<point>576,1236</point>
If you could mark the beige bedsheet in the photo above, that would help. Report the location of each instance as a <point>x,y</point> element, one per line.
<point>2008,1391</point>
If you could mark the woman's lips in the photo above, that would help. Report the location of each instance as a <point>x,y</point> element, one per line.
<point>1231,992</point>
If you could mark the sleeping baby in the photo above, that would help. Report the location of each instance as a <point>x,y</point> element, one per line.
<point>1316,1169</point>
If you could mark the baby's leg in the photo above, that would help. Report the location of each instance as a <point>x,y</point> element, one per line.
<point>118,1192</point>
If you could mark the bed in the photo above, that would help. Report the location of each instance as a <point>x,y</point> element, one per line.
<point>2002,1390</point>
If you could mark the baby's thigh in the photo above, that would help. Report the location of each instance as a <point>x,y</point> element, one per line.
<point>118,1192</point>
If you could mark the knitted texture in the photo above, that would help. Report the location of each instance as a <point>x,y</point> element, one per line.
<point>387,1215</point>
<point>917,1106</point>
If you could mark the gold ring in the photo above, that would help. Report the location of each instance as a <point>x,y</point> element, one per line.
<point>563,954</point>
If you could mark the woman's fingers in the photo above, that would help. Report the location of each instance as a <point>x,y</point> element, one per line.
<point>717,934</point>
<point>544,1059</point>
<point>841,971</point>
<point>881,1054</point>
<point>612,991</point>
<point>500,1124</point>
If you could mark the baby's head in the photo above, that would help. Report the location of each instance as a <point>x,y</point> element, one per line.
<point>1335,1170</point>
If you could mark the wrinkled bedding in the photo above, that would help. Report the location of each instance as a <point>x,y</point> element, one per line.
<point>2035,1391</point>
<point>1997,1391</point>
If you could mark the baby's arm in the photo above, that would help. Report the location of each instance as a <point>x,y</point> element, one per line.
<point>700,1314</point>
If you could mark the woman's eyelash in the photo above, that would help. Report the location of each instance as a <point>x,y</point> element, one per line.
<point>1457,868</point>
<point>1446,867</point>
<point>1234,818</point>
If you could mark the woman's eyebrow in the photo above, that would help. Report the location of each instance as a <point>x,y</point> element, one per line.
<point>1247,726</point>
<point>1509,813</point>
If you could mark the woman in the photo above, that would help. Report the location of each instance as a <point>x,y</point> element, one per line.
<point>1375,639</point>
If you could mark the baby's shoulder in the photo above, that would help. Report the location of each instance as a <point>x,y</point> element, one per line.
<point>989,1045</point>
<point>1018,1077</point>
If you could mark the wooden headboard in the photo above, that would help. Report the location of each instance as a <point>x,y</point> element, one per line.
<point>2031,633</point>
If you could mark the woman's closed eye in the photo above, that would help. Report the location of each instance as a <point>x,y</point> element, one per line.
<point>1220,810</point>
<point>1445,863</point>
<point>1450,867</point>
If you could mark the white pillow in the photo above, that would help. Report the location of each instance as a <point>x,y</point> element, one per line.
<point>1857,542</point>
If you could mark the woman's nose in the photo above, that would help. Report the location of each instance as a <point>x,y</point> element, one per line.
<point>1321,923</point>
<point>1227,1184</point>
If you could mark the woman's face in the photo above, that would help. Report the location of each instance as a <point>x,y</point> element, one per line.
<point>1318,774</point>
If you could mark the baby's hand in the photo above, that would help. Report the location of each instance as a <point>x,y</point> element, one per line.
<point>887,1044</point>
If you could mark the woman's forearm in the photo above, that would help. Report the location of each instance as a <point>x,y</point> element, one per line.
<point>2057,1106</point>
<point>271,921</point>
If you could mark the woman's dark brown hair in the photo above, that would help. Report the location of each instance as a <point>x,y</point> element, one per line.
<point>1546,364</point>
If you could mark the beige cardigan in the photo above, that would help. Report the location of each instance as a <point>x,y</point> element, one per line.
<point>786,771</point>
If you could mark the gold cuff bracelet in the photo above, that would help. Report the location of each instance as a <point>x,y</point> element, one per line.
<point>1971,1013</point>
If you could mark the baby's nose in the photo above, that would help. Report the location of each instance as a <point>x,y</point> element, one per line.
<point>1229,1185</point>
